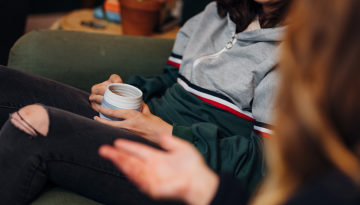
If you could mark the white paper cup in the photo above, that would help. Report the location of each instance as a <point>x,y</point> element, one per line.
<point>121,96</point>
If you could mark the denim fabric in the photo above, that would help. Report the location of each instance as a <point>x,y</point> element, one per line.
<point>68,155</point>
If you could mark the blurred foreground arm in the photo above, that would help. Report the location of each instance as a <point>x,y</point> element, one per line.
<point>179,173</point>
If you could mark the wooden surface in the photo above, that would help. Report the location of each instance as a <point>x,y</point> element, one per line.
<point>73,21</point>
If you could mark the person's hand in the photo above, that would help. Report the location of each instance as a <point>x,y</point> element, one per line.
<point>179,173</point>
<point>143,123</point>
<point>98,91</point>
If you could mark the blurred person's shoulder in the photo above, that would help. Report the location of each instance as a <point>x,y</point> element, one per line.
<point>332,188</point>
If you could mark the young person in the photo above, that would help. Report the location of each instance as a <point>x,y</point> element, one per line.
<point>314,156</point>
<point>216,92</point>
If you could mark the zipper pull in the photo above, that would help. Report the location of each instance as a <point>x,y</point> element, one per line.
<point>231,43</point>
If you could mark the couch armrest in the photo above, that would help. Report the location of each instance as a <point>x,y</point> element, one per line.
<point>83,59</point>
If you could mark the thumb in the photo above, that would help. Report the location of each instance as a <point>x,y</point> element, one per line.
<point>171,143</point>
<point>146,109</point>
<point>114,78</point>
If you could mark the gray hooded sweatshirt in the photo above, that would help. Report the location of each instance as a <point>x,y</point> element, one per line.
<point>235,71</point>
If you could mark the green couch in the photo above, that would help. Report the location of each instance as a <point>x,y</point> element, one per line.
<point>81,60</point>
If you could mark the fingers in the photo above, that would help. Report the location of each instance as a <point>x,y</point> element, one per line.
<point>110,153</point>
<point>142,151</point>
<point>96,102</point>
<point>96,98</point>
<point>127,163</point>
<point>172,143</point>
<point>109,122</point>
<point>99,89</point>
<point>114,78</point>
<point>133,167</point>
<point>95,106</point>
<point>118,113</point>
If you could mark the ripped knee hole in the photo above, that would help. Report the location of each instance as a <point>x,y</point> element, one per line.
<point>18,121</point>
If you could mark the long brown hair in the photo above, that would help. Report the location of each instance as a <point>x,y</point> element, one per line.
<point>318,111</point>
<point>243,12</point>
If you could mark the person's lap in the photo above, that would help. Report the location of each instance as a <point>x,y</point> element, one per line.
<point>67,156</point>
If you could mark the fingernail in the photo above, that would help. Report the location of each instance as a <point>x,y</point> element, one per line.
<point>118,143</point>
<point>102,151</point>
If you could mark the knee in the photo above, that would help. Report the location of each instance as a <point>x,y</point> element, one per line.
<point>32,119</point>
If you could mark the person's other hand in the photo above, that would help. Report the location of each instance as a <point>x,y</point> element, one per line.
<point>143,123</point>
<point>179,173</point>
<point>98,91</point>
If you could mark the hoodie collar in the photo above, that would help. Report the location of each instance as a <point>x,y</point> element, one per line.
<point>262,34</point>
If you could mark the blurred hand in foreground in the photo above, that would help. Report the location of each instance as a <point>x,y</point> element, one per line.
<point>178,173</point>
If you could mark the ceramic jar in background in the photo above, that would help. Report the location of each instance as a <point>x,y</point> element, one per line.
<point>139,17</point>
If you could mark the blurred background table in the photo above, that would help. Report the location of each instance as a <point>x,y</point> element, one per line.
<point>79,20</point>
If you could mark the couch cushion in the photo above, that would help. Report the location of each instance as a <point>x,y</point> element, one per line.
<point>58,196</point>
<point>82,59</point>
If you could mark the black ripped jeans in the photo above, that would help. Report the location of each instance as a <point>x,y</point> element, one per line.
<point>68,155</point>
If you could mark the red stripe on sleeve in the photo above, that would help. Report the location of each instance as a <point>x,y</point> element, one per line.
<point>169,62</point>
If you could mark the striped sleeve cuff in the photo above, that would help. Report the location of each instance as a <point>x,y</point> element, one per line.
<point>265,130</point>
<point>174,60</point>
